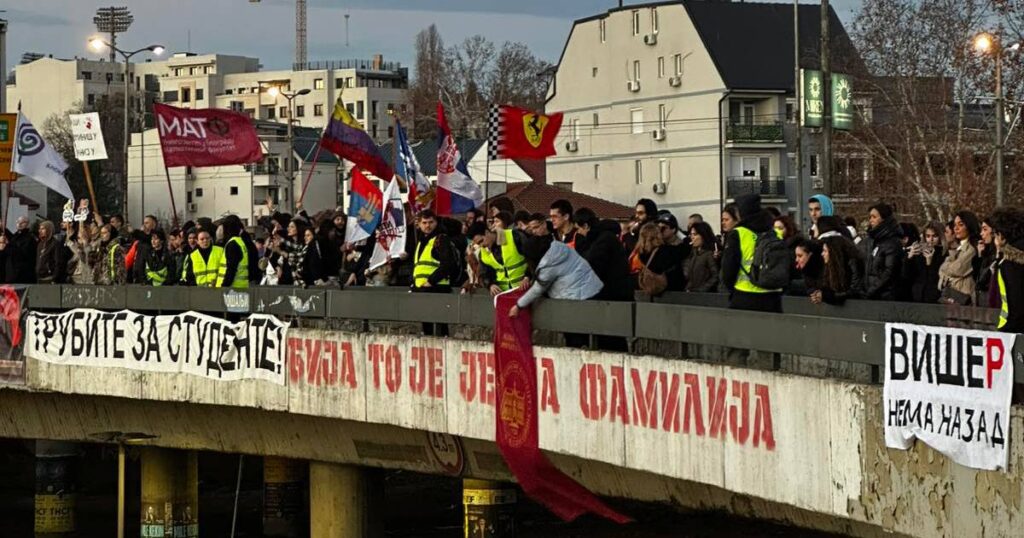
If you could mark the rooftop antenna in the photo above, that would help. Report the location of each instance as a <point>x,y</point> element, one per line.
<point>346,29</point>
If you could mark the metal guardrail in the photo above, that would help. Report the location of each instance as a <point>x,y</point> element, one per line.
<point>766,186</point>
<point>851,333</point>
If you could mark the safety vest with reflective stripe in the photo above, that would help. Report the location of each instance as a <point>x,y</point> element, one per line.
<point>748,241</point>
<point>425,265</point>
<point>1004,311</point>
<point>158,277</point>
<point>512,269</point>
<point>207,271</point>
<point>241,281</point>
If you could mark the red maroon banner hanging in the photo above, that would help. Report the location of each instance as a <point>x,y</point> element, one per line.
<point>517,424</point>
<point>206,137</point>
<point>517,133</point>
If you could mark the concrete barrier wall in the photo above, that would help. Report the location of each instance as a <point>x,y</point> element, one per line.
<point>809,443</point>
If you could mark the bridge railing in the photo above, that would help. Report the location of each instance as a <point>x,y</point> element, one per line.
<point>851,333</point>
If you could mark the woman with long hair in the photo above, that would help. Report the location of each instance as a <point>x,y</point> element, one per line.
<point>701,267</point>
<point>921,270</point>
<point>843,277</point>
<point>956,275</point>
<point>651,255</point>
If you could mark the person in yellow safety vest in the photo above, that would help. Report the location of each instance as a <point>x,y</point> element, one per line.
<point>204,263</point>
<point>1008,229</point>
<point>504,267</point>
<point>738,258</point>
<point>234,272</point>
<point>434,263</point>
<point>159,264</point>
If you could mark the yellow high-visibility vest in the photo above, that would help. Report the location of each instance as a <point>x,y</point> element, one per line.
<point>208,271</point>
<point>425,265</point>
<point>512,269</point>
<point>241,281</point>
<point>1004,311</point>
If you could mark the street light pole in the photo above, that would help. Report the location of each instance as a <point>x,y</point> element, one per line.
<point>999,124</point>
<point>98,44</point>
<point>275,91</point>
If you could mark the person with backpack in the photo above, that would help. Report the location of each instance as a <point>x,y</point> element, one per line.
<point>755,262</point>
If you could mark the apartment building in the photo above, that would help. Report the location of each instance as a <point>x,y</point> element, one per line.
<point>690,103</point>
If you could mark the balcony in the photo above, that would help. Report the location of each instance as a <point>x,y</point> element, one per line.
<point>746,133</point>
<point>774,186</point>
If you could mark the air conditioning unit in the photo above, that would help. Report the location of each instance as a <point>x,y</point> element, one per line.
<point>633,85</point>
<point>660,188</point>
<point>572,145</point>
<point>659,134</point>
<point>817,183</point>
<point>651,39</point>
<point>190,207</point>
<point>675,81</point>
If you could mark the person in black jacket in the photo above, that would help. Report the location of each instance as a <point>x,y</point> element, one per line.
<point>844,272</point>
<point>883,254</point>
<point>601,248</point>
<point>158,266</point>
<point>921,268</point>
<point>1008,227</point>
<point>758,221</point>
<point>23,247</point>
<point>233,254</point>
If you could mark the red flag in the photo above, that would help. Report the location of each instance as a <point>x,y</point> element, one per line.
<point>206,137</point>
<point>517,425</point>
<point>517,133</point>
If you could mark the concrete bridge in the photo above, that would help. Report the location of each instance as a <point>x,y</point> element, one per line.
<point>777,417</point>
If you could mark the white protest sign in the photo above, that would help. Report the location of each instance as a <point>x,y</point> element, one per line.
<point>951,389</point>
<point>190,343</point>
<point>88,137</point>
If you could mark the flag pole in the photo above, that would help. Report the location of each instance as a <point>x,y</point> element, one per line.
<point>170,191</point>
<point>312,168</point>
<point>6,202</point>
<point>88,183</point>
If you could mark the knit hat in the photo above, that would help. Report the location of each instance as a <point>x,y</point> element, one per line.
<point>748,205</point>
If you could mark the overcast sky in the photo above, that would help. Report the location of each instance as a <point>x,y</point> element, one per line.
<point>266,29</point>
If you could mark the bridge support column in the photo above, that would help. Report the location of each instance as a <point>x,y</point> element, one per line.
<point>488,508</point>
<point>55,488</point>
<point>170,493</point>
<point>342,500</point>
<point>283,497</point>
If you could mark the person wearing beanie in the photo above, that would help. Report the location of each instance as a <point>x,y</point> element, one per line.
<point>883,254</point>
<point>738,258</point>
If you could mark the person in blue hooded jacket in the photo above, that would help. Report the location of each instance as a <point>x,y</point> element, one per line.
<point>819,206</point>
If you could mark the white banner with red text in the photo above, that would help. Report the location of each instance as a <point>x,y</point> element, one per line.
<point>950,388</point>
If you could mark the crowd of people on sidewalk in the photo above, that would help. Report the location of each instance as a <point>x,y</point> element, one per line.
<point>570,253</point>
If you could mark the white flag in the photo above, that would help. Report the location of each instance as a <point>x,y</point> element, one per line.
<point>391,232</point>
<point>34,158</point>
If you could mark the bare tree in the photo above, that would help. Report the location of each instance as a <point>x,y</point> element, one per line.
<point>467,94</point>
<point>431,76</point>
<point>518,77</point>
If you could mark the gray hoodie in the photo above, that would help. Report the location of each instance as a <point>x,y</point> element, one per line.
<point>563,274</point>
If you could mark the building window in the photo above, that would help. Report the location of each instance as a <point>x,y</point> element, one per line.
<point>602,30</point>
<point>373,108</point>
<point>813,165</point>
<point>597,171</point>
<point>207,70</point>
<point>186,95</point>
<point>318,110</point>
<point>170,97</point>
<point>87,75</point>
<point>351,108</point>
<point>654,20</point>
<point>596,120</point>
<point>191,70</point>
<point>790,110</point>
<point>199,94</point>
<point>636,69</point>
<point>229,91</point>
<point>188,197</point>
<point>636,22</point>
<point>199,193</point>
<point>348,82</point>
<point>271,112</point>
<point>300,111</point>
<point>638,171</point>
<point>374,129</point>
<point>662,117</point>
<point>636,120</point>
<point>91,99</point>
<point>360,110</point>
<point>679,64</point>
<point>391,131</point>
<point>283,112</point>
<point>593,72</point>
<point>177,71</point>
<point>234,191</point>
<point>564,185</point>
<point>339,83</point>
<point>243,90</point>
<point>318,84</point>
<point>661,67</point>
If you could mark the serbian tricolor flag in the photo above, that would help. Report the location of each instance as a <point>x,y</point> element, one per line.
<point>517,133</point>
<point>456,191</point>
<point>365,203</point>
<point>345,137</point>
<point>517,432</point>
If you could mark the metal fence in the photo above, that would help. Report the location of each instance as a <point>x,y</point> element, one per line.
<point>852,333</point>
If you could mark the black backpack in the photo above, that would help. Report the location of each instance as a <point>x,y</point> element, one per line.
<point>772,261</point>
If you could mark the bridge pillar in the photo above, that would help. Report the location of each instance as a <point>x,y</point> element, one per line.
<point>170,493</point>
<point>283,497</point>
<point>55,488</point>
<point>342,500</point>
<point>488,508</point>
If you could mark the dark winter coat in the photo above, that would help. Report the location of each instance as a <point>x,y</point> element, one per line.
<point>923,277</point>
<point>701,271</point>
<point>883,260</point>
<point>50,265</point>
<point>607,258</point>
<point>1012,270</point>
<point>23,255</point>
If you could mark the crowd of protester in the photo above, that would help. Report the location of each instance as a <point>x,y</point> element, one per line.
<point>570,253</point>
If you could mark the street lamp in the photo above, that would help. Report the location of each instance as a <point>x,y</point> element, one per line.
<point>275,92</point>
<point>986,43</point>
<point>98,44</point>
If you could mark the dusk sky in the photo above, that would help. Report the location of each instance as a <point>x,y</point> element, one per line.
<point>266,29</point>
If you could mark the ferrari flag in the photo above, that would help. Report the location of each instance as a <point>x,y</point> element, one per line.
<point>517,133</point>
